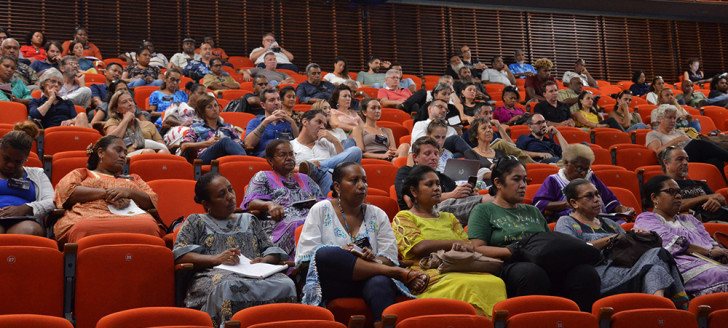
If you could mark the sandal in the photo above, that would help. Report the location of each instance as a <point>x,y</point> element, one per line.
<point>411,276</point>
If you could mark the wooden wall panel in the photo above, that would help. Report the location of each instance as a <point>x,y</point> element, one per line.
<point>639,44</point>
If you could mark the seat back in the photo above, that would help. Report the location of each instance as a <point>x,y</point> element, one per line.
<point>574,135</point>
<point>517,130</point>
<point>142,93</point>
<point>300,324</point>
<point>601,155</point>
<point>155,316</point>
<point>394,115</point>
<point>533,303</point>
<point>162,169</point>
<point>633,157</point>
<point>380,176</point>
<point>428,306</point>
<point>707,172</point>
<point>176,198</point>
<point>233,94</point>
<point>718,319</point>
<point>398,131</point>
<point>239,175</point>
<point>639,136</point>
<point>281,312</point>
<point>61,167</point>
<point>118,238</point>
<point>620,178</point>
<point>446,320</point>
<point>654,318</point>
<point>33,321</point>
<point>627,198</point>
<point>26,240</point>
<point>606,137</point>
<point>13,112</point>
<point>32,280</point>
<point>716,301</point>
<point>553,319</point>
<point>65,140</point>
<point>237,119</point>
<point>538,175</point>
<point>386,203</point>
<point>706,124</point>
<point>155,157</point>
<point>631,301</point>
<point>112,278</point>
<point>531,190</point>
<point>240,158</point>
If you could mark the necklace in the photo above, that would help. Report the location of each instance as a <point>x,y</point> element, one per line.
<point>343,216</point>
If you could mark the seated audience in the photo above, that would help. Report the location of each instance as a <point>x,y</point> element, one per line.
<point>540,143</point>
<point>694,74</point>
<point>588,117</point>
<point>520,68</point>
<point>11,47</point>
<point>718,95</point>
<point>667,135</point>
<point>179,116</point>
<point>250,103</point>
<point>639,85</point>
<point>283,56</point>
<point>456,199</point>
<point>216,52</point>
<point>580,72</point>
<point>471,62</point>
<point>653,93</point>
<point>313,90</point>
<point>684,119</point>
<point>281,195</point>
<point>33,48</point>
<point>628,120</point>
<point>467,78</point>
<point>654,272</point>
<point>339,133</point>
<point>494,227</point>
<point>181,59</point>
<point>325,247</point>
<point>74,83</point>
<point>441,91</point>
<point>425,228</point>
<point>196,69</point>
<point>499,74</point>
<point>372,77</point>
<point>318,152</point>
<point>392,95</point>
<point>84,64</point>
<point>89,48</point>
<point>570,95</point>
<point>156,59</point>
<point>437,109</point>
<point>112,73</point>
<point>288,100</point>
<point>52,110</point>
<point>501,140</point>
<point>218,79</point>
<point>26,194</point>
<point>689,96</point>
<point>697,197</point>
<point>142,73</point>
<point>269,71</point>
<point>483,152</point>
<point>140,136</point>
<point>376,142</point>
<point>469,102</point>
<point>89,194</point>
<point>53,58</point>
<point>168,93</point>
<point>421,97</point>
<point>344,116</point>
<point>341,72</point>
<point>274,125</point>
<point>555,112</point>
<point>456,64</point>
<point>700,259</point>
<point>437,129</point>
<point>535,84</point>
<point>211,138</point>
<point>101,112</point>
<point>508,113</point>
<point>406,83</point>
<point>549,199</point>
<point>13,89</point>
<point>221,236</point>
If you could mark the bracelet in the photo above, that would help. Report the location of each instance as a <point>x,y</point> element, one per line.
<point>710,253</point>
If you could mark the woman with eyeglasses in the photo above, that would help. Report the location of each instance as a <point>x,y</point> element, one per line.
<point>494,228</point>
<point>628,120</point>
<point>654,272</point>
<point>700,259</point>
<point>508,113</point>
<point>169,92</point>
<point>589,118</point>
<point>550,199</point>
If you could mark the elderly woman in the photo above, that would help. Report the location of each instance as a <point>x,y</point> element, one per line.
<point>33,48</point>
<point>211,138</point>
<point>281,195</point>
<point>168,93</point>
<point>343,116</point>
<point>700,259</point>
<point>654,272</point>
<point>98,199</point>
<point>221,236</point>
<point>19,92</point>
<point>494,227</point>
<point>50,109</point>
<point>684,119</point>
<point>218,79</point>
<point>140,136</point>
<point>352,250</point>
<point>628,120</point>
<point>84,64</point>
<point>423,229</point>
<point>101,113</point>
<point>459,200</point>
<point>639,86</point>
<point>341,72</point>
<point>667,136</point>
<point>534,83</point>
<point>588,117</point>
<point>26,194</point>
<point>550,199</point>
<point>142,73</point>
<point>180,115</point>
<point>376,142</point>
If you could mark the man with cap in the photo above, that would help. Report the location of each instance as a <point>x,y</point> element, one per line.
<point>181,59</point>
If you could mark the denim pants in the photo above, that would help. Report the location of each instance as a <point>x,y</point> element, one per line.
<point>323,176</point>
<point>224,147</point>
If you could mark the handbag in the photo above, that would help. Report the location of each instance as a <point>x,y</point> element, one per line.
<point>555,252</point>
<point>460,261</point>
<point>627,248</point>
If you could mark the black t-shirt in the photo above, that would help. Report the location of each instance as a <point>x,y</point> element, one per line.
<point>446,184</point>
<point>693,188</point>
<point>424,114</point>
<point>556,114</point>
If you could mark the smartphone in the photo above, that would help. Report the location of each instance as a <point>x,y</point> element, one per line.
<point>356,250</point>
<point>472,180</point>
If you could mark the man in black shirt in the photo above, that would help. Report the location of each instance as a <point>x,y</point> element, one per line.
<point>696,195</point>
<point>555,112</point>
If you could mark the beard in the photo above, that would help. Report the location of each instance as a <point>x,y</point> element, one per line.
<point>457,68</point>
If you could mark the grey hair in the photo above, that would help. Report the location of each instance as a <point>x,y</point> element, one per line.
<point>8,40</point>
<point>311,66</point>
<point>439,87</point>
<point>663,109</point>
<point>443,78</point>
<point>48,74</point>
<point>269,53</point>
<point>392,72</point>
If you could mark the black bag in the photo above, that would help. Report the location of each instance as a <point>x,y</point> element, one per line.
<point>555,252</point>
<point>627,248</point>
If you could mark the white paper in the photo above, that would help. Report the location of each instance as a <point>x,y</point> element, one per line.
<point>130,210</point>
<point>255,270</point>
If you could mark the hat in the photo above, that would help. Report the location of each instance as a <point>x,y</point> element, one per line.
<point>188,40</point>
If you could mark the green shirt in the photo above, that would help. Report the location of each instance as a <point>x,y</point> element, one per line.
<point>694,100</point>
<point>499,226</point>
<point>568,94</point>
<point>19,90</point>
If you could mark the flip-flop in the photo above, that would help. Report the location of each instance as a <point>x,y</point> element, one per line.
<point>409,277</point>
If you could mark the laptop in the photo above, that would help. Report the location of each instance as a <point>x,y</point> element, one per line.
<point>461,169</point>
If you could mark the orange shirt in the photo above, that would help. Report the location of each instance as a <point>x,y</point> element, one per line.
<point>89,51</point>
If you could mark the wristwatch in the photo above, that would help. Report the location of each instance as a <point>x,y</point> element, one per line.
<point>590,244</point>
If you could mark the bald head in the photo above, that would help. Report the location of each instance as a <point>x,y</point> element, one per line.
<point>575,84</point>
<point>10,47</point>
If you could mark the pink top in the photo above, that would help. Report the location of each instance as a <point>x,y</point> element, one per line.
<point>503,114</point>
<point>401,94</point>
<point>346,118</point>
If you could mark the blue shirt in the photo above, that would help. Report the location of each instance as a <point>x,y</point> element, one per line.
<point>61,111</point>
<point>163,101</point>
<point>305,91</point>
<point>528,142</point>
<point>272,131</point>
<point>196,67</point>
<point>98,90</point>
<point>16,196</point>
<point>517,68</point>
<point>42,65</point>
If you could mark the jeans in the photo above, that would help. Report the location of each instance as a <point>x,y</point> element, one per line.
<point>348,143</point>
<point>638,126</point>
<point>323,176</point>
<point>721,100</point>
<point>224,147</point>
<point>141,82</point>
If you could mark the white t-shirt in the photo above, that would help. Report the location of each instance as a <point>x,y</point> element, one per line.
<point>331,77</point>
<point>281,58</point>
<point>568,75</point>
<point>322,150</point>
<point>495,76</point>
<point>420,130</point>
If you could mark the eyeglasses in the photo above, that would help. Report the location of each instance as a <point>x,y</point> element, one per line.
<point>174,79</point>
<point>538,122</point>
<point>671,191</point>
<point>590,196</point>
<point>72,64</point>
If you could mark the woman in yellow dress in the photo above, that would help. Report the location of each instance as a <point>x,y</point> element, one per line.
<point>422,230</point>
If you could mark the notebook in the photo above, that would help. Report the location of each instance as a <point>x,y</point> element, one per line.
<point>255,270</point>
